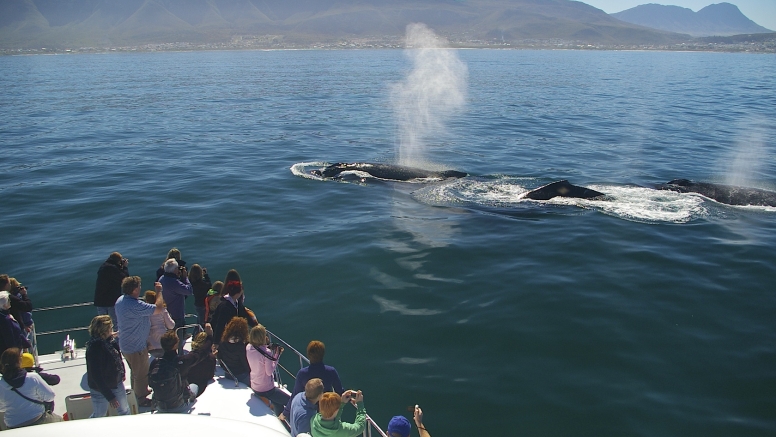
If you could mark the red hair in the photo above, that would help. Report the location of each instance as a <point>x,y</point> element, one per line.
<point>329,404</point>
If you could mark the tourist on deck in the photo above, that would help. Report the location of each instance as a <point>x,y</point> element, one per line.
<point>263,360</point>
<point>28,364</point>
<point>172,394</point>
<point>105,369</point>
<point>25,398</point>
<point>328,422</point>
<point>160,323</point>
<point>203,370</point>
<point>135,318</point>
<point>304,406</point>
<point>212,300</point>
<point>11,334</point>
<point>108,287</point>
<point>399,426</point>
<point>233,304</point>
<point>175,288</point>
<point>331,380</point>
<point>200,284</point>
<point>21,306</point>
<point>231,351</point>
<point>173,253</point>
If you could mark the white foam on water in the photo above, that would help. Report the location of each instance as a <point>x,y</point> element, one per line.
<point>301,169</point>
<point>627,202</point>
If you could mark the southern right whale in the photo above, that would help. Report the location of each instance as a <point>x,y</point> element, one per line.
<point>386,171</point>
<point>728,194</point>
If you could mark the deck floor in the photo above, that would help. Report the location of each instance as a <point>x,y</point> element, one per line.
<point>221,399</point>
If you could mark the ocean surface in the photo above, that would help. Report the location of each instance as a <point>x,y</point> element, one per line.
<point>649,313</point>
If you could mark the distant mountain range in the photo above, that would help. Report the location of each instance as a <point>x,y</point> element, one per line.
<point>721,19</point>
<point>82,23</point>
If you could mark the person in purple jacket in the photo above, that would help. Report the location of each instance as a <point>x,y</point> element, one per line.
<point>175,288</point>
<point>331,380</point>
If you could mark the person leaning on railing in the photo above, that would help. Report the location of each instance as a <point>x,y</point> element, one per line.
<point>328,422</point>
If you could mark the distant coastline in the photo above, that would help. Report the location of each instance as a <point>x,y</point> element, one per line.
<point>757,43</point>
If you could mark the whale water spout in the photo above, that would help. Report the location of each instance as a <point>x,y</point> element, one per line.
<point>433,91</point>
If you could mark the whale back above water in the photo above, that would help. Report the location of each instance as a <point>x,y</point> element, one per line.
<point>387,171</point>
<point>562,189</point>
<point>727,194</point>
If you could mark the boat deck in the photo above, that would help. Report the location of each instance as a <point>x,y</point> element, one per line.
<point>222,399</point>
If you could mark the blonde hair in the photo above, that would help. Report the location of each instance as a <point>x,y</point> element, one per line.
<point>100,326</point>
<point>258,336</point>
<point>199,341</point>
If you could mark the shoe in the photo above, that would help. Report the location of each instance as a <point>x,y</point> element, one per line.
<point>145,402</point>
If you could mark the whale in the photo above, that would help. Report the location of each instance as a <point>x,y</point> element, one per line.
<point>727,194</point>
<point>562,188</point>
<point>388,172</point>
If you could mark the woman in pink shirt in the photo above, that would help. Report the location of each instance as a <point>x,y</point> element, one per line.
<point>263,361</point>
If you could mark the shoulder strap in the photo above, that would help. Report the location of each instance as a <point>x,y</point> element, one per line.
<point>25,397</point>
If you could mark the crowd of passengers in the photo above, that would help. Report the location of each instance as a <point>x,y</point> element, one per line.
<point>148,332</point>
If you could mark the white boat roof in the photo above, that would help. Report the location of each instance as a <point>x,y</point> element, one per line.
<point>234,406</point>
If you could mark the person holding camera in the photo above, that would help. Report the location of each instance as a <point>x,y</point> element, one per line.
<point>328,422</point>
<point>108,287</point>
<point>21,306</point>
<point>263,359</point>
<point>175,288</point>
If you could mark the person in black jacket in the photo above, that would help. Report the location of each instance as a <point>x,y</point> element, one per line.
<point>108,287</point>
<point>105,369</point>
<point>231,305</point>
<point>200,284</point>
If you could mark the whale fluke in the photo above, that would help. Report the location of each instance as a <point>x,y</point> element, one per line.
<point>386,171</point>
<point>727,194</point>
<point>562,189</point>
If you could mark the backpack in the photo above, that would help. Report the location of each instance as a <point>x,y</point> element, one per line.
<point>165,380</point>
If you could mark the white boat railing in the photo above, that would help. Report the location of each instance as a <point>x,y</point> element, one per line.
<point>372,427</point>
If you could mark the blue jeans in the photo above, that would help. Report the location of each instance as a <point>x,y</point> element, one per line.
<point>111,311</point>
<point>100,404</point>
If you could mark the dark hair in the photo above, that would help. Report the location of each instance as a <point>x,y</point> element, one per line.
<point>232,275</point>
<point>11,362</point>
<point>115,258</point>
<point>3,281</point>
<point>169,340</point>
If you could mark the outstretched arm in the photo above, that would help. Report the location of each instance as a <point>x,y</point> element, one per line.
<point>419,422</point>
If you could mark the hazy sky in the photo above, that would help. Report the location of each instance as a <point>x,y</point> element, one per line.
<point>762,12</point>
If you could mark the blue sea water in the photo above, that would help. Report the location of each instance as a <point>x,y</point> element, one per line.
<point>647,314</point>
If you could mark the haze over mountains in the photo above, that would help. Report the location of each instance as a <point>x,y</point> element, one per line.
<point>718,19</point>
<point>63,23</point>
